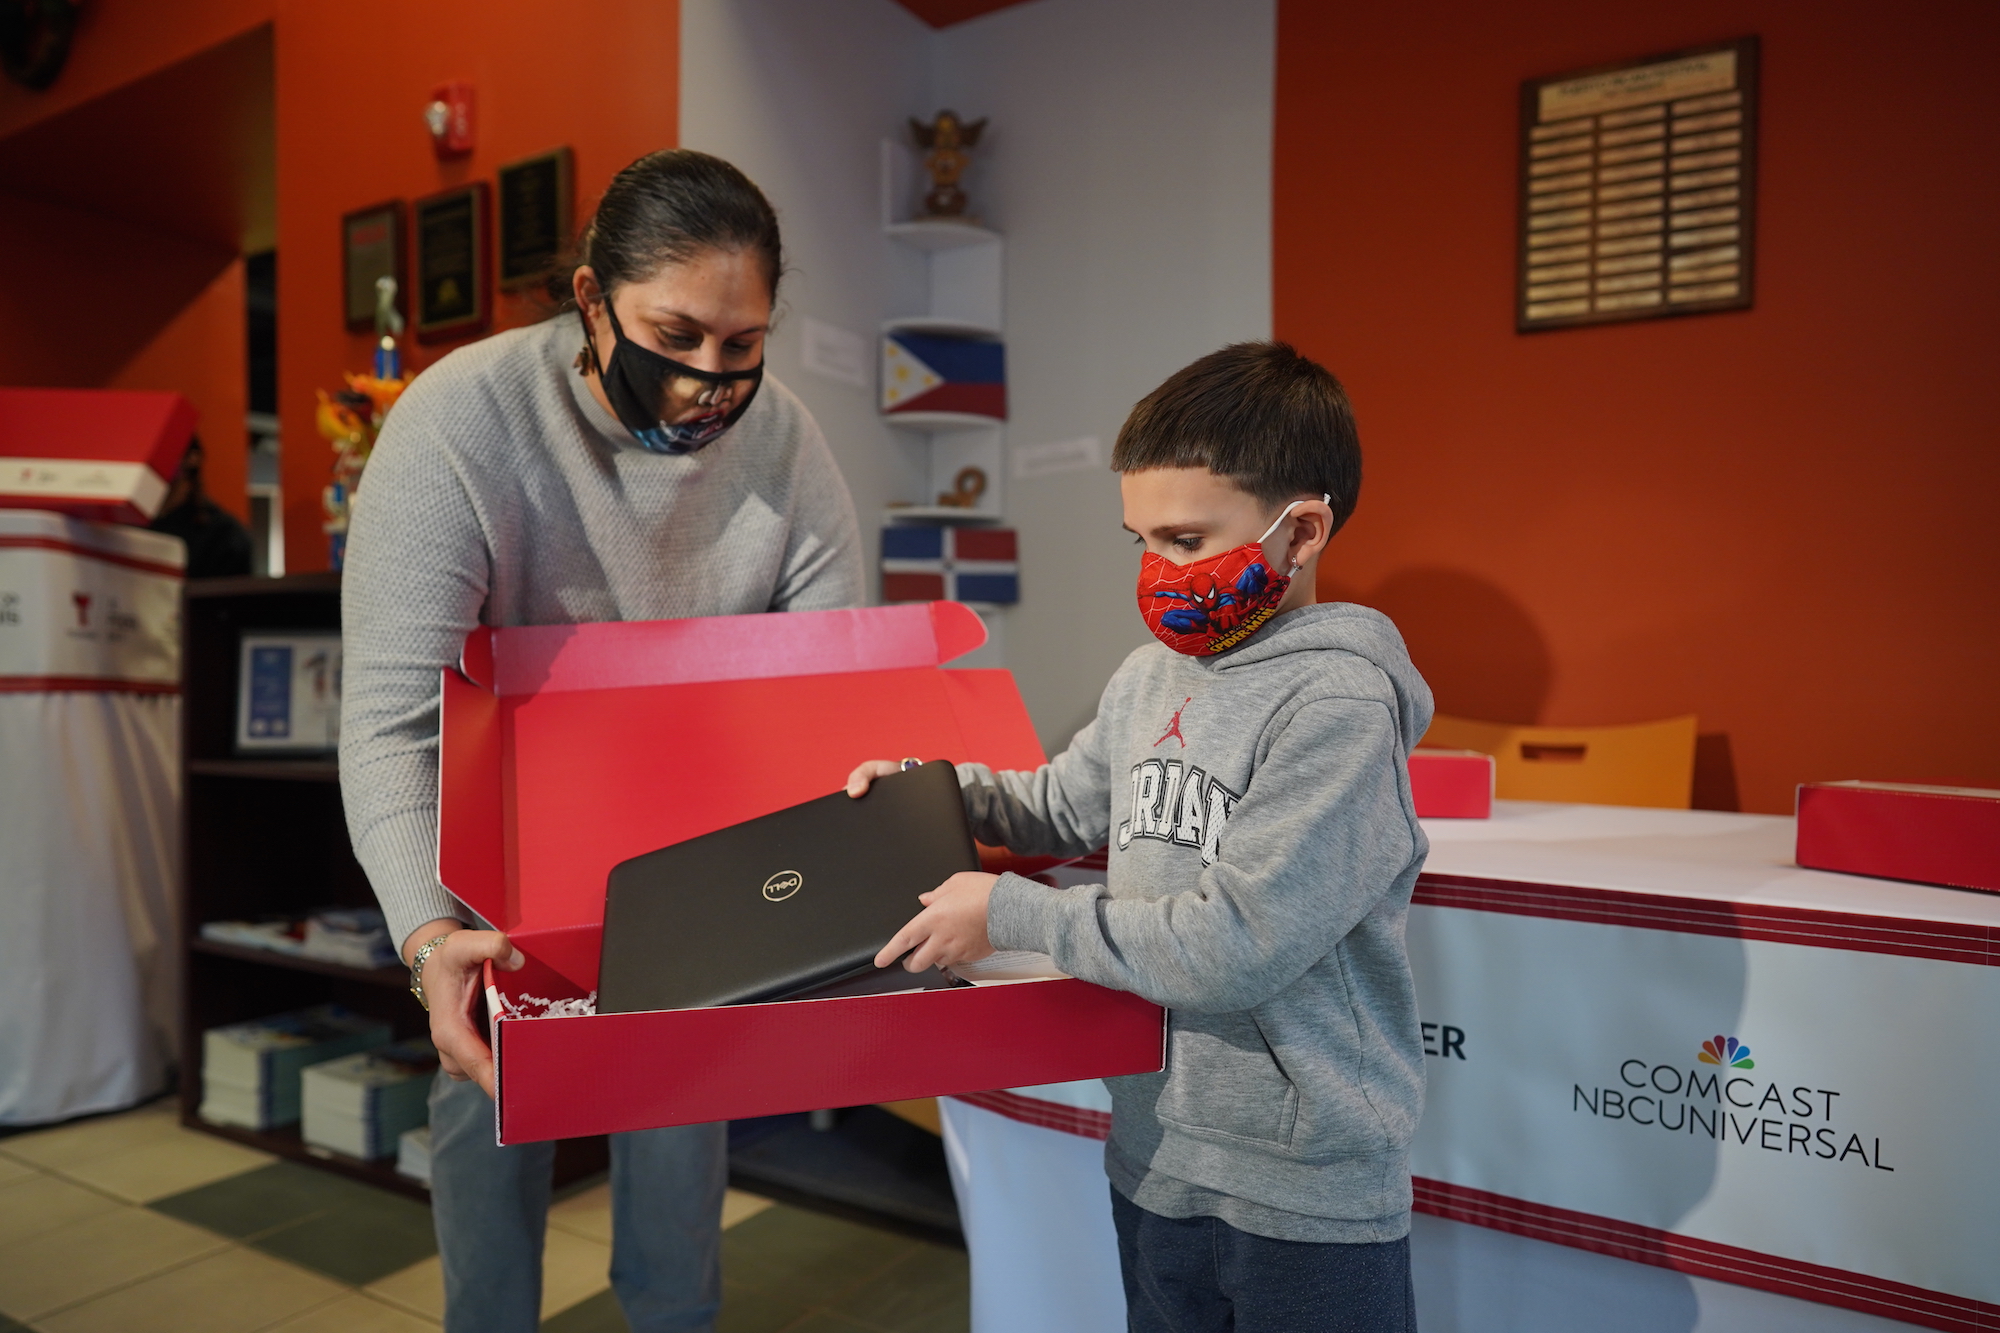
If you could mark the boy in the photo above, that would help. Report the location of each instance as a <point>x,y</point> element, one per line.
<point>1249,774</point>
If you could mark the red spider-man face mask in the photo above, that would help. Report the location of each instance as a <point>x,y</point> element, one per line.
<point>1209,606</point>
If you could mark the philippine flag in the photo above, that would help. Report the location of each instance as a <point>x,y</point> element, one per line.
<point>923,563</point>
<point>924,372</point>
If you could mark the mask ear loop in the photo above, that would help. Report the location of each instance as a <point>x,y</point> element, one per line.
<point>1282,516</point>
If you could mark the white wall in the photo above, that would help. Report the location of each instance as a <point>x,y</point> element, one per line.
<point>1128,161</point>
<point>1129,164</point>
<point>800,94</point>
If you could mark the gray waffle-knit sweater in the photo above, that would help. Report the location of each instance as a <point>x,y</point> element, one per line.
<point>500,494</point>
<point>1264,846</point>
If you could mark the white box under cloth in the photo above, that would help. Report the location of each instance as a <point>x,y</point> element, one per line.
<point>1563,952</point>
<point>90,809</point>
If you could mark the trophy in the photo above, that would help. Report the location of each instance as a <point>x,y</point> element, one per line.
<point>946,141</point>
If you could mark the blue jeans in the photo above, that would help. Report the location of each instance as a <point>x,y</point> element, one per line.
<point>1201,1275</point>
<point>490,1206</point>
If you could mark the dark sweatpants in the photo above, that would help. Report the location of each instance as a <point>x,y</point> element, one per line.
<point>1201,1275</point>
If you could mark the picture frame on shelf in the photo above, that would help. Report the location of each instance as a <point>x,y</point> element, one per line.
<point>288,692</point>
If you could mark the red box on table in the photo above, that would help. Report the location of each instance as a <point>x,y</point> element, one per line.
<point>565,749</point>
<point>103,454</point>
<point>1893,830</point>
<point>1451,784</point>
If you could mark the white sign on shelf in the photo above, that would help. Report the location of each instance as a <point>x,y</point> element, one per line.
<point>288,692</point>
<point>833,352</point>
<point>1048,460</point>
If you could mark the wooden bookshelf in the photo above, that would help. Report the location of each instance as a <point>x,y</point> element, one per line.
<point>267,836</point>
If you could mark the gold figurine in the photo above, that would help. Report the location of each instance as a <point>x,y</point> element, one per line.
<point>966,488</point>
<point>946,140</point>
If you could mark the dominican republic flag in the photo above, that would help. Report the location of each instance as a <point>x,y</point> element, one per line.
<point>922,563</point>
<point>923,372</point>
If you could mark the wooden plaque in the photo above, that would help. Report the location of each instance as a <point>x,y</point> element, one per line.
<point>1638,189</point>
<point>453,263</point>
<point>371,247</point>
<point>534,216</point>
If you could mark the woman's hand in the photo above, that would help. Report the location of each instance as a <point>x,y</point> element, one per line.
<point>952,926</point>
<point>863,777</point>
<point>453,980</point>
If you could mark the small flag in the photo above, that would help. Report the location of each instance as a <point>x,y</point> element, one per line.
<point>923,372</point>
<point>925,563</point>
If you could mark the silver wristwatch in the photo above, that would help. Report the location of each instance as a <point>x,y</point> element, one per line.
<point>417,969</point>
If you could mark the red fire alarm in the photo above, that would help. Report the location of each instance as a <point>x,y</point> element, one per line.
<point>449,119</point>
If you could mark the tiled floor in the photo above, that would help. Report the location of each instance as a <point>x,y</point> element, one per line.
<point>132,1224</point>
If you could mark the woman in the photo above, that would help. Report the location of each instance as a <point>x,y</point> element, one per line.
<point>630,461</point>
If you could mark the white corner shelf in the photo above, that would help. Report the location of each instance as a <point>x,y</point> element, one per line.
<point>936,514</point>
<point>963,270</point>
<point>942,327</point>
<point>942,421</point>
<point>938,234</point>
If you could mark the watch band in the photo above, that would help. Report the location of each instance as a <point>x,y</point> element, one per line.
<point>417,968</point>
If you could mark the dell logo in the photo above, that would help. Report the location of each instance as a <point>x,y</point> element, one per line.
<point>783,885</point>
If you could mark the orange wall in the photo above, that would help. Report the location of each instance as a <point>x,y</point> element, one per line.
<point>1781,519</point>
<point>91,302</point>
<point>204,352</point>
<point>353,79</point>
<point>136,301</point>
<point>118,41</point>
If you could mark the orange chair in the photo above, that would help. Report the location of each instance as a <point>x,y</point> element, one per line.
<point>1649,763</point>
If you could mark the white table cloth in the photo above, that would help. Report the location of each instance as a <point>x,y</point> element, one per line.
<point>1564,954</point>
<point>89,814</point>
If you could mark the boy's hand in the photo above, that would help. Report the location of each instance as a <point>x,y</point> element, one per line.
<point>863,777</point>
<point>952,926</point>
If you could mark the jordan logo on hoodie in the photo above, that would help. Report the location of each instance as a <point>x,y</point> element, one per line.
<point>1179,804</point>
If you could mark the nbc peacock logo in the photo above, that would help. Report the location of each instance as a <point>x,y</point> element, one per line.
<point>1726,1051</point>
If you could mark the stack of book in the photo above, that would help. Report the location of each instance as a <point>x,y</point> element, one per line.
<point>250,1071</point>
<point>278,934</point>
<point>413,1154</point>
<point>360,1105</point>
<point>356,936</point>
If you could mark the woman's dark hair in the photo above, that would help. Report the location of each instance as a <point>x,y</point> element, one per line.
<point>1275,423</point>
<point>666,208</point>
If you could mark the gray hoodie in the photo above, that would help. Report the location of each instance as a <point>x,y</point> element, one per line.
<point>1263,851</point>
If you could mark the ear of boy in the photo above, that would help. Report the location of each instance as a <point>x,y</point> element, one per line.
<point>1311,529</point>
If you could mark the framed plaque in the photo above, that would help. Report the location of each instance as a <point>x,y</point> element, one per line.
<point>288,691</point>
<point>1639,189</point>
<point>371,247</point>
<point>452,262</point>
<point>534,216</point>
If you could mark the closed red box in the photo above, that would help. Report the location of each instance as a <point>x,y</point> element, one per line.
<point>565,749</point>
<point>1451,784</point>
<point>102,454</point>
<point>1932,835</point>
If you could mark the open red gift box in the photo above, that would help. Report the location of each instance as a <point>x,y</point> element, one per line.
<point>565,749</point>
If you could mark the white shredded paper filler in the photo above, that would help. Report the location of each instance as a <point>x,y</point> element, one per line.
<point>534,1006</point>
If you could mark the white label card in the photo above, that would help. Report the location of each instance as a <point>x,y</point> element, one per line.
<point>1047,460</point>
<point>832,352</point>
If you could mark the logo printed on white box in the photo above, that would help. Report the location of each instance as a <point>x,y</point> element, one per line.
<point>783,885</point>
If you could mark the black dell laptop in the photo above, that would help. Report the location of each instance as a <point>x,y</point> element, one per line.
<point>777,906</point>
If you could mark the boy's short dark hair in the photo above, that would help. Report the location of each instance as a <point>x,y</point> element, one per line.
<point>1275,423</point>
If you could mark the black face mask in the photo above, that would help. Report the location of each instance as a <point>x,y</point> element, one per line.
<point>646,389</point>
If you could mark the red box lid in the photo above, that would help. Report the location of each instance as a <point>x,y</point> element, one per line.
<point>95,453</point>
<point>1931,835</point>
<point>566,749</point>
